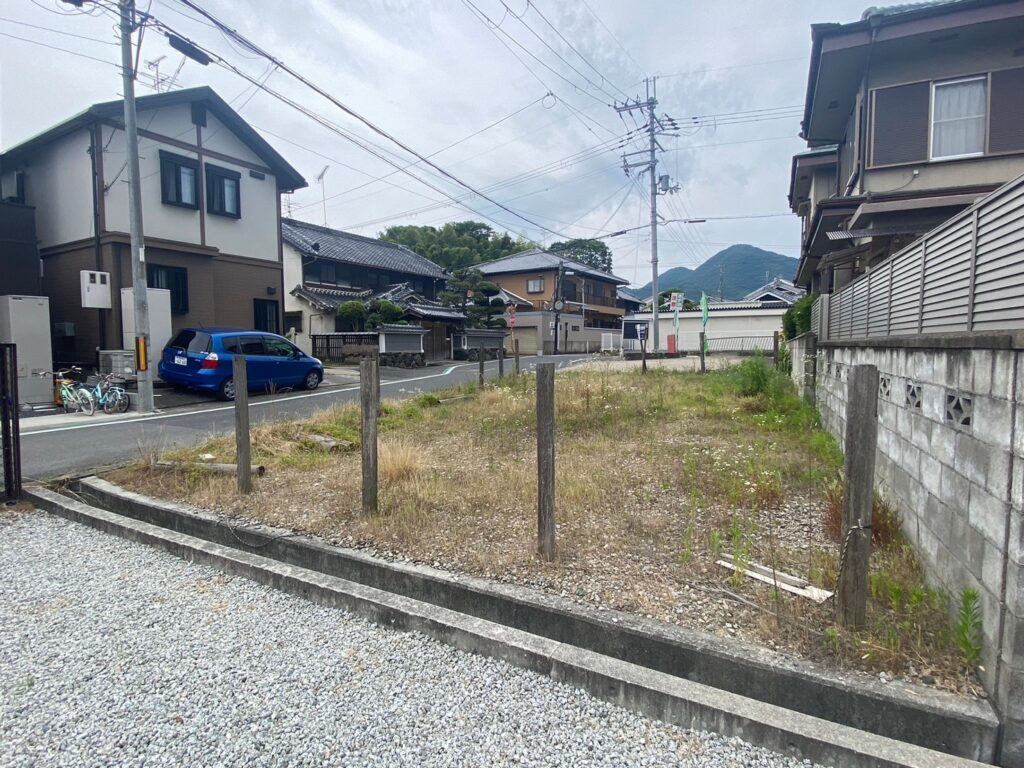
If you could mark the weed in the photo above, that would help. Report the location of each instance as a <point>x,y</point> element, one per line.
<point>968,630</point>
<point>398,460</point>
<point>715,544</point>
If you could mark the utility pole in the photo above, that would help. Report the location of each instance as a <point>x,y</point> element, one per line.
<point>659,185</point>
<point>138,246</point>
<point>558,304</point>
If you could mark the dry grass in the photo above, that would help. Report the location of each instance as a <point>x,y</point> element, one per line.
<point>656,477</point>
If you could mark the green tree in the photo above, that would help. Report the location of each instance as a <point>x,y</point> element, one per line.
<point>456,245</point>
<point>353,313</point>
<point>382,312</point>
<point>797,319</point>
<point>462,284</point>
<point>594,253</point>
<point>487,310</point>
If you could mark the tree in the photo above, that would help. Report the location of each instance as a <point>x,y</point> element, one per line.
<point>383,312</point>
<point>456,245</point>
<point>462,284</point>
<point>354,313</point>
<point>594,253</point>
<point>797,319</point>
<point>487,310</point>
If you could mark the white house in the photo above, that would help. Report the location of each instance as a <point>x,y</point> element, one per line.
<point>732,325</point>
<point>211,211</point>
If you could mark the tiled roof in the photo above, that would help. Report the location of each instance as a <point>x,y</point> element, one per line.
<point>896,10</point>
<point>537,260</point>
<point>329,299</point>
<point>628,295</point>
<point>355,249</point>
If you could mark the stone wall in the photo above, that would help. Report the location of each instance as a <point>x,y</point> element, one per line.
<point>950,458</point>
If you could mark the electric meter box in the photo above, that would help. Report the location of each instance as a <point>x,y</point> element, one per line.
<point>95,289</point>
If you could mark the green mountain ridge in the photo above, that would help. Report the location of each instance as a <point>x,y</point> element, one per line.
<point>737,270</point>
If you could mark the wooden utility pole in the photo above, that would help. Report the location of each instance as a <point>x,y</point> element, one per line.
<point>858,494</point>
<point>243,448</point>
<point>546,460</point>
<point>369,400</point>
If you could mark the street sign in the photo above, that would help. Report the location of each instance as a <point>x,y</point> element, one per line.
<point>674,302</point>
<point>641,331</point>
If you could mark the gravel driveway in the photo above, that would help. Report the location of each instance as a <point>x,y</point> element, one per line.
<point>115,654</point>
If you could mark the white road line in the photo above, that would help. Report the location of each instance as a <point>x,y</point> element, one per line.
<point>161,416</point>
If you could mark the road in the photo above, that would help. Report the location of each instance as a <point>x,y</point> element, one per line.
<point>79,447</point>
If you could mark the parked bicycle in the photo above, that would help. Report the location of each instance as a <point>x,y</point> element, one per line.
<point>72,395</point>
<point>111,397</point>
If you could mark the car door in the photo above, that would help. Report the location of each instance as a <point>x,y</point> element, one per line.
<point>258,365</point>
<point>288,368</point>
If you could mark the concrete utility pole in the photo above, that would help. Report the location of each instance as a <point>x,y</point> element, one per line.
<point>659,186</point>
<point>138,246</point>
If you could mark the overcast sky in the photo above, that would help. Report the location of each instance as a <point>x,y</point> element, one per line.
<point>433,72</point>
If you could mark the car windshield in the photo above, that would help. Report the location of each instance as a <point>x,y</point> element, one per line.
<point>191,341</point>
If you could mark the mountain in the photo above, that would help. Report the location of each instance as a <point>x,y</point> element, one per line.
<point>739,269</point>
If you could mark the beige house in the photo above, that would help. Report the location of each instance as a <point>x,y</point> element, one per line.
<point>572,304</point>
<point>912,114</point>
<point>211,191</point>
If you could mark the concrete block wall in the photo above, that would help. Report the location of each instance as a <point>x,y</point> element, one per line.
<point>950,458</point>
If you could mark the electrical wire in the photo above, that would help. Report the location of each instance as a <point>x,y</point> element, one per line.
<point>612,36</point>
<point>60,32</point>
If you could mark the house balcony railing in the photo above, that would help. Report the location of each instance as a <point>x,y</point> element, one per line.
<point>965,275</point>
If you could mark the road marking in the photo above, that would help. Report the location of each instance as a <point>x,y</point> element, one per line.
<point>162,416</point>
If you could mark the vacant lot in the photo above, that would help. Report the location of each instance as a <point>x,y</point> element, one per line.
<point>658,476</point>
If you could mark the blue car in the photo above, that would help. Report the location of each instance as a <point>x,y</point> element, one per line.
<point>202,358</point>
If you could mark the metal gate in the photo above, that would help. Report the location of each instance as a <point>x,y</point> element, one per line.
<point>9,435</point>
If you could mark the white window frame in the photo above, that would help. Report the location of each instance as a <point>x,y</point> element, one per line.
<point>533,280</point>
<point>931,117</point>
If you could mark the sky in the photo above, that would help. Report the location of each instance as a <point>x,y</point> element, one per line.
<point>516,97</point>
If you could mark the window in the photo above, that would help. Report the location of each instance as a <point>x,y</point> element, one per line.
<point>293,320</point>
<point>535,286</point>
<point>223,188</point>
<point>958,118</point>
<point>277,347</point>
<point>174,279</point>
<point>265,315</point>
<point>191,341</point>
<point>178,180</point>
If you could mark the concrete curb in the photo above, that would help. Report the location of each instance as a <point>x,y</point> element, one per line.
<point>914,714</point>
<point>653,694</point>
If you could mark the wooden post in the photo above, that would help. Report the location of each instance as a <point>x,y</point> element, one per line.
<point>515,351</point>
<point>501,360</point>
<point>546,460</point>
<point>243,449</point>
<point>703,353</point>
<point>369,399</point>
<point>643,355</point>
<point>775,349</point>
<point>858,494</point>
<point>480,357</point>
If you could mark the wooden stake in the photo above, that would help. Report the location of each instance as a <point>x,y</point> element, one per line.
<point>480,356</point>
<point>369,399</point>
<point>703,354</point>
<point>243,448</point>
<point>515,351</point>
<point>546,460</point>
<point>643,356</point>
<point>501,360</point>
<point>858,494</point>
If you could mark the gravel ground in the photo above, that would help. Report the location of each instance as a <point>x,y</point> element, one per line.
<point>115,654</point>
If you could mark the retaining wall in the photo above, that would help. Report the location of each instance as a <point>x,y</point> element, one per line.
<point>950,457</point>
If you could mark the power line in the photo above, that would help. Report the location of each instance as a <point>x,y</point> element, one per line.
<point>732,66</point>
<point>353,113</point>
<point>612,35</point>
<point>584,59</point>
<point>60,32</point>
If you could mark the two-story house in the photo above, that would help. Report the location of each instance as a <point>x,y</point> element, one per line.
<point>325,268</point>
<point>580,300</point>
<point>211,194</point>
<point>912,114</point>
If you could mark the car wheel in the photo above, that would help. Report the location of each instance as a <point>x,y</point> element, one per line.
<point>226,391</point>
<point>312,380</point>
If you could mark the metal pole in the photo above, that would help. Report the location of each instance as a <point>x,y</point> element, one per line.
<point>652,128</point>
<point>138,247</point>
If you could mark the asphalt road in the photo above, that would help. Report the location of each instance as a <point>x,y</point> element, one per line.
<point>77,448</point>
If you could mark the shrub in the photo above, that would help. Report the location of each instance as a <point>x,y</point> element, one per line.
<point>752,376</point>
<point>797,319</point>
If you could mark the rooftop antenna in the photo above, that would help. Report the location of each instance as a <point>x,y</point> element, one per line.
<point>323,190</point>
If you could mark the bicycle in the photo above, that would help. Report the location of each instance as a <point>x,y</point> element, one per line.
<point>113,398</point>
<point>72,396</point>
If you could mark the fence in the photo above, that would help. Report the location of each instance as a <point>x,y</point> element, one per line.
<point>741,345</point>
<point>334,347</point>
<point>965,275</point>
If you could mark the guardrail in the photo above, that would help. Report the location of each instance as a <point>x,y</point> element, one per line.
<point>965,275</point>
